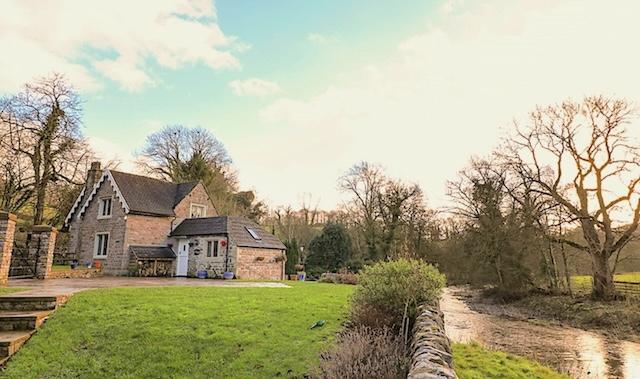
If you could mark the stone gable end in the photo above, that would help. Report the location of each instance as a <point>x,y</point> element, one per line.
<point>258,263</point>
<point>197,196</point>
<point>87,225</point>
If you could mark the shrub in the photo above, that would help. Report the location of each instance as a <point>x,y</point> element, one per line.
<point>329,251</point>
<point>342,277</point>
<point>389,293</point>
<point>293,256</point>
<point>363,353</point>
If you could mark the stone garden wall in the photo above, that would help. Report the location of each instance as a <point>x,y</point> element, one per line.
<point>431,355</point>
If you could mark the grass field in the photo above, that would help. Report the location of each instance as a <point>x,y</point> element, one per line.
<point>475,362</point>
<point>210,332</point>
<point>193,332</point>
<point>582,283</point>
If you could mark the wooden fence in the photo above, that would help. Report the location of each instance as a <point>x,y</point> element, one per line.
<point>630,289</point>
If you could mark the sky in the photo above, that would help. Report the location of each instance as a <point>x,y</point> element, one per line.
<point>299,91</point>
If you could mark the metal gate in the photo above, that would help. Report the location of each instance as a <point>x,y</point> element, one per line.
<point>23,260</point>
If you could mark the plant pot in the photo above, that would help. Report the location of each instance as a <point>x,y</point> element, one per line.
<point>293,276</point>
<point>227,275</point>
<point>202,274</point>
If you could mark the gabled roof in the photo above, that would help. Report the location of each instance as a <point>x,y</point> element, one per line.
<point>236,228</point>
<point>138,194</point>
<point>150,196</point>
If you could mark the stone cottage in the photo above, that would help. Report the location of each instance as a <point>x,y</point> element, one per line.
<point>135,225</point>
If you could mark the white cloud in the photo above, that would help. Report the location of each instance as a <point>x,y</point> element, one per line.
<point>449,6</point>
<point>116,39</point>
<point>254,87</point>
<point>445,94</point>
<point>318,38</point>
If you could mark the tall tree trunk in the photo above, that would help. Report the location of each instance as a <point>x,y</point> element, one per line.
<point>45,158</point>
<point>603,287</point>
<point>567,277</point>
<point>40,199</point>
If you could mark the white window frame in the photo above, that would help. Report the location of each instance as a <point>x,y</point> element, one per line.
<point>202,206</point>
<point>215,248</point>
<point>100,209</point>
<point>96,247</point>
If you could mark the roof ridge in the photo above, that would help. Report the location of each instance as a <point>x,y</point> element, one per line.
<point>142,176</point>
<point>204,218</point>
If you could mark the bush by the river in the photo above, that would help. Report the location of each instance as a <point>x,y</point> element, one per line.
<point>389,293</point>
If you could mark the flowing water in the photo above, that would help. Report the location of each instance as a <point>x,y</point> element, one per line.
<point>579,353</point>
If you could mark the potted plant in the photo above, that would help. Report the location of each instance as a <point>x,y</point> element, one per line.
<point>227,275</point>
<point>302,275</point>
<point>201,274</point>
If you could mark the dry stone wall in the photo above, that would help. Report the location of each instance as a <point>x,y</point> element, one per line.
<point>431,356</point>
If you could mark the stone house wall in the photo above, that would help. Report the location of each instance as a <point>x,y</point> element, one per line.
<point>147,230</point>
<point>259,263</point>
<point>198,260</point>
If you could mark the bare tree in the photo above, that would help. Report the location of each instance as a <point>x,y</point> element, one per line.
<point>579,156</point>
<point>167,151</point>
<point>42,123</point>
<point>16,187</point>
<point>397,203</point>
<point>364,181</point>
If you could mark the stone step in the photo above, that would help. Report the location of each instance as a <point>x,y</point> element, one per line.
<point>11,341</point>
<point>30,303</point>
<point>26,320</point>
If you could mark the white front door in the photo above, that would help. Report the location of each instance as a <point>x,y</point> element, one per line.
<point>183,257</point>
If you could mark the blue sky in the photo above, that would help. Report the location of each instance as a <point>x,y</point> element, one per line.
<point>300,90</point>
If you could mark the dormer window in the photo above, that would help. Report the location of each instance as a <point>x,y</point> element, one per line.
<point>104,210</point>
<point>198,210</point>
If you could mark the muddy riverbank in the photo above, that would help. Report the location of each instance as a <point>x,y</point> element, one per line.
<point>579,353</point>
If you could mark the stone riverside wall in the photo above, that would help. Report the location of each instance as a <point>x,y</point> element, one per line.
<point>431,356</point>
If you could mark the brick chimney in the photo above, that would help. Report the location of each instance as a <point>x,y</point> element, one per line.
<point>93,175</point>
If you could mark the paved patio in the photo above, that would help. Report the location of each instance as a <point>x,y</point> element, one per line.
<point>57,287</point>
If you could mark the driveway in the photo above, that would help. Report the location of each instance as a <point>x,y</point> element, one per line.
<point>56,287</point>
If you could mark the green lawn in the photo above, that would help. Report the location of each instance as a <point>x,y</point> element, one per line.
<point>8,290</point>
<point>475,362</point>
<point>60,267</point>
<point>193,332</point>
<point>211,332</point>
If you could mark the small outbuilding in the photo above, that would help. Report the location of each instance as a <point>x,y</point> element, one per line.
<point>215,245</point>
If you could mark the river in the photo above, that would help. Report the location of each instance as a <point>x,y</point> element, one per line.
<point>579,353</point>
